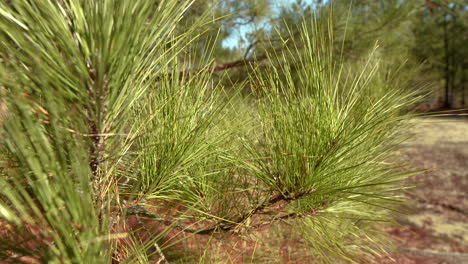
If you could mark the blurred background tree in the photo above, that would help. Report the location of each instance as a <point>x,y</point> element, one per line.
<point>440,29</point>
<point>427,35</point>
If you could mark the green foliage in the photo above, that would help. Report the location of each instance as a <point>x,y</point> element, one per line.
<point>74,71</point>
<point>326,134</point>
<point>114,115</point>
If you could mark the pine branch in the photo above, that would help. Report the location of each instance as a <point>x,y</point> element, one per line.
<point>138,210</point>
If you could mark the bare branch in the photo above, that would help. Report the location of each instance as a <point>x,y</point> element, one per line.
<point>238,63</point>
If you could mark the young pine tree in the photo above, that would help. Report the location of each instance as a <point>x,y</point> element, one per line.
<point>114,143</point>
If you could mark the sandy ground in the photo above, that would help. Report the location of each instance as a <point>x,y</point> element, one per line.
<point>435,229</point>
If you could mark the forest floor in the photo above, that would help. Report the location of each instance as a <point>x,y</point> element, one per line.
<point>435,228</point>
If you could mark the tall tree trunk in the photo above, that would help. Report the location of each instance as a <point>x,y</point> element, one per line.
<point>447,63</point>
<point>462,83</point>
<point>453,75</point>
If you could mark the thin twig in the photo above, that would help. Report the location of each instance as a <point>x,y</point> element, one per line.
<point>162,258</point>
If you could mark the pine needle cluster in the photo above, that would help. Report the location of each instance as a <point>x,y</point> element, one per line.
<point>107,121</point>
